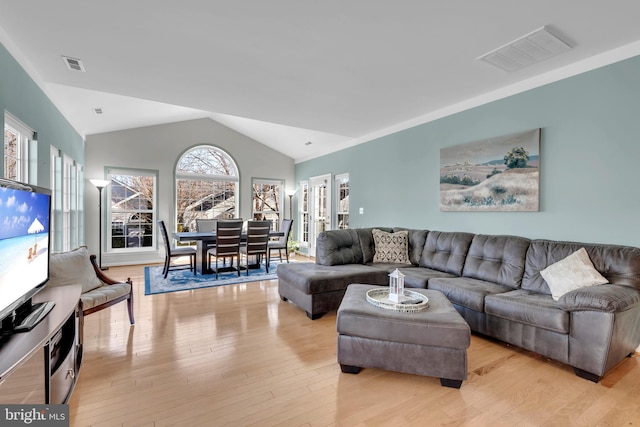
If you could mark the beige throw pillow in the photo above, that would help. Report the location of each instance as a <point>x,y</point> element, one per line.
<point>574,272</point>
<point>391,247</point>
<point>73,267</point>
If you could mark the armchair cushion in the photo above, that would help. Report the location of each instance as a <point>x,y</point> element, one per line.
<point>73,267</point>
<point>103,294</point>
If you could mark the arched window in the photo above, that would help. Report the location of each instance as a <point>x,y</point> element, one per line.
<point>206,186</point>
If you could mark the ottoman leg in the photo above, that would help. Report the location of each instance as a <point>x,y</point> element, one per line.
<point>348,369</point>
<point>450,383</point>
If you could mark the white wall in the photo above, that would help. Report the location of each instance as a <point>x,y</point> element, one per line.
<point>158,148</point>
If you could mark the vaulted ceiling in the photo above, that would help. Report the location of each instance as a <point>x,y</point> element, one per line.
<point>288,72</point>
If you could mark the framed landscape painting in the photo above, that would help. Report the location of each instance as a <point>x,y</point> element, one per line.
<point>496,174</point>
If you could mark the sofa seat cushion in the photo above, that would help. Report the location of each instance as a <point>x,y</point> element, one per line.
<point>467,292</point>
<point>103,294</point>
<point>418,277</point>
<point>386,266</point>
<point>312,278</point>
<point>530,308</point>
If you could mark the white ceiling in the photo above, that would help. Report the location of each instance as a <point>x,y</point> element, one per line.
<point>284,72</point>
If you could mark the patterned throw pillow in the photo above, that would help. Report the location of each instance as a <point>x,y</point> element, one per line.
<point>391,247</point>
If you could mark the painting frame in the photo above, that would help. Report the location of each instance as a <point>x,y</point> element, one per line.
<point>500,174</point>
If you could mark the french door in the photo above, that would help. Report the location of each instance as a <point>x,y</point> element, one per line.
<point>319,208</point>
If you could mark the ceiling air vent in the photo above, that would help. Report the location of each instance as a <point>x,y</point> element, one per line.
<point>73,63</point>
<point>527,50</point>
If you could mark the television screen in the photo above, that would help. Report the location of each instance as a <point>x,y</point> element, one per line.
<point>24,243</point>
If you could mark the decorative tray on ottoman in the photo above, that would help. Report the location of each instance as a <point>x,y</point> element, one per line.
<point>413,301</point>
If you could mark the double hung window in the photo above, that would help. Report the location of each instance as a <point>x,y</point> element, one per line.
<point>267,201</point>
<point>131,210</point>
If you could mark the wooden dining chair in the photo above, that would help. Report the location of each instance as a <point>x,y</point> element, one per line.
<point>228,236</point>
<point>256,243</point>
<point>175,253</point>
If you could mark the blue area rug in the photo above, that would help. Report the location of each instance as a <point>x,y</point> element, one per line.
<point>182,280</point>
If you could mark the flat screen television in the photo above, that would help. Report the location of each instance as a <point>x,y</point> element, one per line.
<point>24,253</point>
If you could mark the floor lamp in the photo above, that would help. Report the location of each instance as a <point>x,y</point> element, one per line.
<point>290,193</point>
<point>100,184</point>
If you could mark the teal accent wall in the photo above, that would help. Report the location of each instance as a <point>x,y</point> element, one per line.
<point>22,97</point>
<point>590,163</point>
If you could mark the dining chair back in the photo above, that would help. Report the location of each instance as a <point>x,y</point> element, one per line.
<point>205,224</point>
<point>170,252</point>
<point>281,244</point>
<point>228,236</point>
<point>257,241</point>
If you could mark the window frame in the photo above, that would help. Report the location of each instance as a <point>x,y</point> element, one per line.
<point>24,134</point>
<point>110,173</point>
<point>339,180</point>
<point>280,200</point>
<point>231,178</point>
<point>303,214</point>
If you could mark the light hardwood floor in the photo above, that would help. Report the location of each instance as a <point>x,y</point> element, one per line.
<point>237,356</point>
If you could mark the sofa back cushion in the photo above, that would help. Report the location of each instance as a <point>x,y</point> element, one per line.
<point>497,259</point>
<point>417,239</point>
<point>446,251</point>
<point>367,244</point>
<point>337,247</point>
<point>620,265</point>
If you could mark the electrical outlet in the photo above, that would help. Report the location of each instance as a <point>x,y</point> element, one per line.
<point>361,211</point>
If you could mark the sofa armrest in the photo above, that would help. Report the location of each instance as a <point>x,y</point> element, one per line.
<point>608,298</point>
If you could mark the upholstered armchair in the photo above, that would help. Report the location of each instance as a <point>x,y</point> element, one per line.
<point>98,290</point>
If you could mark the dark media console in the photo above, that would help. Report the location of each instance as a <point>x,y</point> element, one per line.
<point>55,342</point>
<point>26,318</point>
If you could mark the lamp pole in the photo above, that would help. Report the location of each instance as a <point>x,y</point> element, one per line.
<point>100,184</point>
<point>290,193</point>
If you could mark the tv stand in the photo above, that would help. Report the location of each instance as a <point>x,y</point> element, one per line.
<point>33,317</point>
<point>54,342</point>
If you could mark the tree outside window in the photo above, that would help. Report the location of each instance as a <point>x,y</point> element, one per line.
<point>131,211</point>
<point>267,201</point>
<point>206,187</point>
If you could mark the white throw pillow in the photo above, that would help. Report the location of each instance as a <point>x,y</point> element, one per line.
<point>73,267</point>
<point>574,272</point>
<point>391,247</point>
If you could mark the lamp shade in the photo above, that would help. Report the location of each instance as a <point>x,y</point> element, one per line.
<point>100,183</point>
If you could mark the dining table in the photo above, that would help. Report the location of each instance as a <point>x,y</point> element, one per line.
<point>204,239</point>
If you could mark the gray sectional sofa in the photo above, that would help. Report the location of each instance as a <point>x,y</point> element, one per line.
<point>495,284</point>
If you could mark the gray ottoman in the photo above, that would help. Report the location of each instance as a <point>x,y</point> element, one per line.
<point>432,342</point>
